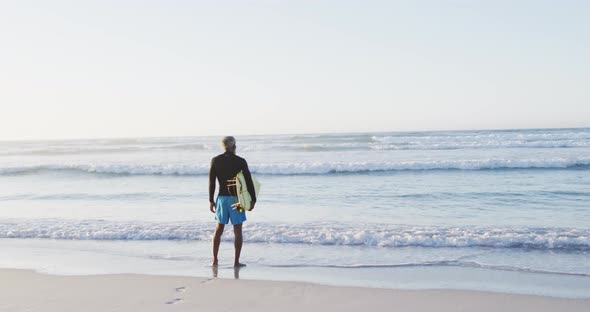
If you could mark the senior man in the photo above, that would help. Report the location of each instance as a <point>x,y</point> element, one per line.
<point>225,167</point>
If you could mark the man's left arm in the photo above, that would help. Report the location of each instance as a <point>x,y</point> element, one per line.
<point>212,177</point>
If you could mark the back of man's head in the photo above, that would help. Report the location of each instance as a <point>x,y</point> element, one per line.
<point>228,142</point>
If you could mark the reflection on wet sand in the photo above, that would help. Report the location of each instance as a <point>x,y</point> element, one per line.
<point>215,271</point>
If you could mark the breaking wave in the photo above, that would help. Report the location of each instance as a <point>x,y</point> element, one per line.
<point>310,167</point>
<point>377,235</point>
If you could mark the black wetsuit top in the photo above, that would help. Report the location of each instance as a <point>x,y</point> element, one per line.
<point>225,167</point>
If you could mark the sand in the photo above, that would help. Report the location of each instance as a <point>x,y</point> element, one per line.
<point>23,290</point>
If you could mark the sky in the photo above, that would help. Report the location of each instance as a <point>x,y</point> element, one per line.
<point>95,69</point>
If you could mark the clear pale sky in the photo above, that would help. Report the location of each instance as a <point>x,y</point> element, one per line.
<point>76,69</point>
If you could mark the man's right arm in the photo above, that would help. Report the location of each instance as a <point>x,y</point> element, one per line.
<point>249,182</point>
<point>212,177</point>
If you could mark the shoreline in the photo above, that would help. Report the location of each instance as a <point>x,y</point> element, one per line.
<point>32,291</point>
<point>82,258</point>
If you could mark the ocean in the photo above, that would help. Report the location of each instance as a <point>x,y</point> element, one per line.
<point>497,210</point>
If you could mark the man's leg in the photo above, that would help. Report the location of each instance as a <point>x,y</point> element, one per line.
<point>217,241</point>
<point>238,245</point>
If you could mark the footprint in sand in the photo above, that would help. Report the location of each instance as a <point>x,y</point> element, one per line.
<point>209,280</point>
<point>175,301</point>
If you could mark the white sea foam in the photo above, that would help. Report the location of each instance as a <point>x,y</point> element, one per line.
<point>297,168</point>
<point>313,234</point>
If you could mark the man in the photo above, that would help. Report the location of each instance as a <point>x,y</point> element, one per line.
<point>225,167</point>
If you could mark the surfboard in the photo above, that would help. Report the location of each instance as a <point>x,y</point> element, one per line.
<point>244,197</point>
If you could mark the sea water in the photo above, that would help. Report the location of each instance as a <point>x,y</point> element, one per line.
<point>500,210</point>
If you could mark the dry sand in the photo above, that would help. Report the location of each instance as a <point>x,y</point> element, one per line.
<point>22,290</point>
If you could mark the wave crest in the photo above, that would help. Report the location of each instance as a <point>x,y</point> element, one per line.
<point>310,167</point>
<point>379,235</point>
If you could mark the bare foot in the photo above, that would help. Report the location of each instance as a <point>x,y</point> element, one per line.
<point>214,263</point>
<point>239,265</point>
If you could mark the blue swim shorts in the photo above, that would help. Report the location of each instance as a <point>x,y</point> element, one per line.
<point>225,212</point>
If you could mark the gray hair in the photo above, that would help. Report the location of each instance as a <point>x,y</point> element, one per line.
<point>228,142</point>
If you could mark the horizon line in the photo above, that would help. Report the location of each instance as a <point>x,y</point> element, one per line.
<point>284,133</point>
